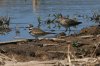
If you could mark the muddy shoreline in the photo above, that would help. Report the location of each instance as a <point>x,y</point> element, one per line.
<point>85,44</point>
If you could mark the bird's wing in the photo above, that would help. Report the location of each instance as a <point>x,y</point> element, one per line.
<point>37,31</point>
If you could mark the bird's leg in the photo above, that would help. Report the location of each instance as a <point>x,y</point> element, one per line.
<point>75,32</point>
<point>66,29</point>
<point>36,39</point>
<point>69,30</point>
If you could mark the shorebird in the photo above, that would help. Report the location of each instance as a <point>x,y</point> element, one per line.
<point>36,32</point>
<point>67,23</point>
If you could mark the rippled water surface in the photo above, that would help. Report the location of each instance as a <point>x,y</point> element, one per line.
<point>27,11</point>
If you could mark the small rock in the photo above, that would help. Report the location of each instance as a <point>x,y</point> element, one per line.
<point>98,35</point>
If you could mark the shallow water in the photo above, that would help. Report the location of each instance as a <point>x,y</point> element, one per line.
<point>27,11</point>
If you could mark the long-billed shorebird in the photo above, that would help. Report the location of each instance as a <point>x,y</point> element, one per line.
<point>67,23</point>
<point>36,32</point>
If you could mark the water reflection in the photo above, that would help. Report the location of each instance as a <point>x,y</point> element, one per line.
<point>4,31</point>
<point>17,31</point>
<point>36,5</point>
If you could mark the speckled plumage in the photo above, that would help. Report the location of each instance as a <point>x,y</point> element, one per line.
<point>67,23</point>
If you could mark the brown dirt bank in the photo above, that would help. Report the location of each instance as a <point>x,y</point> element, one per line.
<point>82,45</point>
<point>93,30</point>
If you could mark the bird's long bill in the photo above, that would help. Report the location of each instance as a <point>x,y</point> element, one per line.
<point>75,23</point>
<point>79,22</point>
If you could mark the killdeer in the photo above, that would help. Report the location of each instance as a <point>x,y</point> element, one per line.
<point>67,23</point>
<point>36,32</point>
